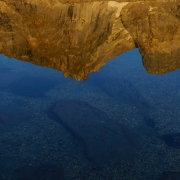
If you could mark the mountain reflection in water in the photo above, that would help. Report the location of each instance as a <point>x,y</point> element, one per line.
<point>122,123</point>
<point>79,38</point>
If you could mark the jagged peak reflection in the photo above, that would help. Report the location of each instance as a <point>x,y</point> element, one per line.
<point>79,38</point>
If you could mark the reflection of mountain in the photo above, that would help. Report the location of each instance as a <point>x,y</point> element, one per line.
<point>156,30</point>
<point>78,39</point>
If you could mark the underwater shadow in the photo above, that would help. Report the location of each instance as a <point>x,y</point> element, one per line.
<point>125,92</point>
<point>100,137</point>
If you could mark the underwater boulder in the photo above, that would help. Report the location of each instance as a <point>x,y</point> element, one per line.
<point>172,140</point>
<point>101,138</point>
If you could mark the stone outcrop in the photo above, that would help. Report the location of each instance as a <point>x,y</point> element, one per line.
<point>156,31</point>
<point>79,38</point>
<point>109,139</point>
<point>76,39</point>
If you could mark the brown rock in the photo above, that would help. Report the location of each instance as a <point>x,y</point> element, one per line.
<point>76,39</point>
<point>79,38</point>
<point>156,32</point>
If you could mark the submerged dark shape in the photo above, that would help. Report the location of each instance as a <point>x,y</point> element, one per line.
<point>100,137</point>
<point>43,172</point>
<point>79,38</point>
<point>149,122</point>
<point>172,140</point>
<point>125,92</point>
<point>170,175</point>
<point>34,87</point>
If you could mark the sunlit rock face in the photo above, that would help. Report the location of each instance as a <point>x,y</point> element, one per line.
<point>155,27</point>
<point>76,39</point>
<point>79,38</point>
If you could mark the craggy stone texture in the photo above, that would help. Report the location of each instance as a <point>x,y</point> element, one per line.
<point>155,28</point>
<point>74,38</point>
<point>79,38</point>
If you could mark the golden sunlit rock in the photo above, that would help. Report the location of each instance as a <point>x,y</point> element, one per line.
<point>156,31</point>
<point>79,38</point>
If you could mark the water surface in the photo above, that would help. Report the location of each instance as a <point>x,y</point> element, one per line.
<point>122,123</point>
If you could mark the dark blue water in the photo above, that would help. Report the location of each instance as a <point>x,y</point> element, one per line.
<point>122,123</point>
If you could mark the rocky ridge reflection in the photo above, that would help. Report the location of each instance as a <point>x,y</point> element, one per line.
<point>79,38</point>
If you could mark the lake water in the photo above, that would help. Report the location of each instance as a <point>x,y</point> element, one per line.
<point>122,123</point>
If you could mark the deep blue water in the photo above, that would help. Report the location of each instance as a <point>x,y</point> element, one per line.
<point>122,123</point>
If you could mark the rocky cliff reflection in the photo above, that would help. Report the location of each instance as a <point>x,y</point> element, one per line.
<point>78,39</point>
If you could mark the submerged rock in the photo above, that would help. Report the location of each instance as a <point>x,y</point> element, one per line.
<point>100,137</point>
<point>79,38</point>
<point>172,140</point>
<point>75,38</point>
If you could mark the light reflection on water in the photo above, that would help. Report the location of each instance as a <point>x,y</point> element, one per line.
<point>136,109</point>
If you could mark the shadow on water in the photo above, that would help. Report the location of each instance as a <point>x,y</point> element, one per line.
<point>172,140</point>
<point>124,91</point>
<point>149,121</point>
<point>34,87</point>
<point>43,172</point>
